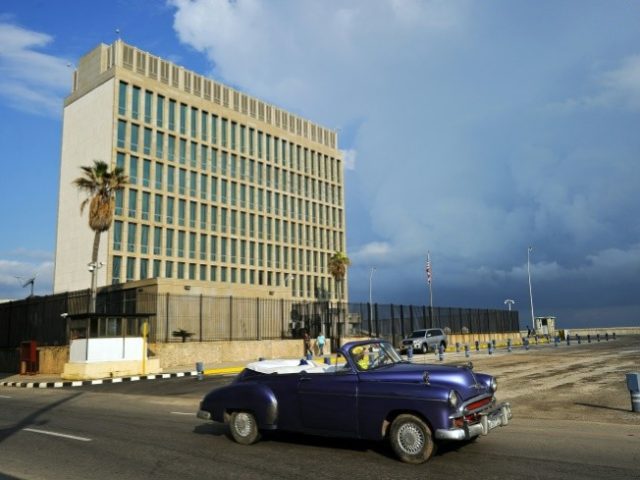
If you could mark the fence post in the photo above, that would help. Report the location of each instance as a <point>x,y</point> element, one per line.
<point>369,309</point>
<point>377,322</point>
<point>167,306</point>
<point>230,317</point>
<point>393,327</point>
<point>401,322</point>
<point>411,318</point>
<point>424,315</point>
<point>201,317</point>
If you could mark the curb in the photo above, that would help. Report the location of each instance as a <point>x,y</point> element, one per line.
<point>133,378</point>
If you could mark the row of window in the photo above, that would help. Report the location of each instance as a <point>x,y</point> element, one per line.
<point>142,268</point>
<point>194,183</point>
<point>208,128</point>
<point>180,243</point>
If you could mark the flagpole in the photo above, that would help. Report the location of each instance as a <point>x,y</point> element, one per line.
<point>429,279</point>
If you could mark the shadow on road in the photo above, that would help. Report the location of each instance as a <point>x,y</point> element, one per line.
<point>32,419</point>
<point>604,407</point>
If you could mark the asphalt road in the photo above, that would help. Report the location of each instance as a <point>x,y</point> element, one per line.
<point>149,430</point>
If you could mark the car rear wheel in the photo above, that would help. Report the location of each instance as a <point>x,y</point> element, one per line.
<point>411,439</point>
<point>244,428</point>
<point>425,348</point>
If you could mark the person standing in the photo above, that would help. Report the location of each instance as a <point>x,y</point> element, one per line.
<point>307,344</point>
<point>320,343</point>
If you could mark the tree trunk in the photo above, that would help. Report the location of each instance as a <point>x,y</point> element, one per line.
<point>94,271</point>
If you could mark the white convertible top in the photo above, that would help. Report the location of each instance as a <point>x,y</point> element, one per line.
<point>288,366</point>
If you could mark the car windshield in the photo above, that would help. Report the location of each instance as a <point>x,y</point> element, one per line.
<point>417,334</point>
<point>374,355</point>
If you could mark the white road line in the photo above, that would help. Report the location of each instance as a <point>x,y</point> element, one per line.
<point>183,413</point>
<point>5,396</point>
<point>54,434</point>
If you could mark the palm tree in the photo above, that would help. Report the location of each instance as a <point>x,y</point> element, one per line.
<point>338,263</point>
<point>100,185</point>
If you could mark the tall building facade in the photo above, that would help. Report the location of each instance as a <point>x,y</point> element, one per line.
<point>226,192</point>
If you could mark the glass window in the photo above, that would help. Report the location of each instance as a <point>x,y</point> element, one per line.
<point>171,176</point>
<point>159,175</point>
<point>172,115</point>
<point>116,269</point>
<point>157,240</point>
<point>171,148</point>
<point>146,197</point>
<point>169,243</point>
<point>181,238</point>
<point>159,144</point>
<point>133,199</point>
<point>144,268</point>
<point>131,237</point>
<point>144,239</point>
<point>117,235</point>
<point>170,209</point>
<point>182,210</point>
<point>135,103</point>
<point>146,173</point>
<point>122,99</point>
<point>122,133</point>
<point>183,118</point>
<point>168,269</point>
<point>214,129</point>
<point>135,134</point>
<point>194,120</point>
<point>160,111</point>
<point>148,96</point>
<point>119,202</point>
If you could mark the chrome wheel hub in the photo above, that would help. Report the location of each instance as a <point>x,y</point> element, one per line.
<point>243,424</point>
<point>411,439</point>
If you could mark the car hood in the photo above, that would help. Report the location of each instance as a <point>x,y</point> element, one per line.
<point>464,380</point>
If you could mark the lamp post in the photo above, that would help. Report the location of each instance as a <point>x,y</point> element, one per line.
<point>509,302</point>
<point>93,269</point>
<point>373,269</point>
<point>530,292</point>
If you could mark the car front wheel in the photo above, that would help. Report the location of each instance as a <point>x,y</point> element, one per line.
<point>411,439</point>
<point>424,348</point>
<point>244,428</point>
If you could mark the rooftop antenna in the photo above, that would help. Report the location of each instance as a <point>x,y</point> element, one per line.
<point>30,281</point>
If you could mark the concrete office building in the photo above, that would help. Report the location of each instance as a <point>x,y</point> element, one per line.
<point>228,195</point>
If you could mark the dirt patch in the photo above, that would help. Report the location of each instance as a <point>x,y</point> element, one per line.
<point>580,382</point>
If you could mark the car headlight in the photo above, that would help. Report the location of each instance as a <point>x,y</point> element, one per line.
<point>454,399</point>
<point>494,384</point>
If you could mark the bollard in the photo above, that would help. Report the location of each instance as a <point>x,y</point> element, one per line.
<point>578,339</point>
<point>633,384</point>
<point>489,348</point>
<point>614,335</point>
<point>200,370</point>
<point>598,337</point>
<point>410,352</point>
<point>509,345</point>
<point>606,336</point>
<point>441,352</point>
<point>477,346</point>
<point>466,350</point>
<point>588,338</point>
<point>457,347</point>
<point>327,360</point>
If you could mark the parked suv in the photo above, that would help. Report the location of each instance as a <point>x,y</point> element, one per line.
<point>424,340</point>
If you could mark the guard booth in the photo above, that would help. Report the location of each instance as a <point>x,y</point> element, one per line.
<point>103,345</point>
<point>545,325</point>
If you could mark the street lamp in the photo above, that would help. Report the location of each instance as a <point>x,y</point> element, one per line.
<point>373,269</point>
<point>509,302</point>
<point>93,269</point>
<point>530,293</point>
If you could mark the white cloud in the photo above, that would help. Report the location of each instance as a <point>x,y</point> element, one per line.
<point>446,102</point>
<point>350,159</point>
<point>31,81</point>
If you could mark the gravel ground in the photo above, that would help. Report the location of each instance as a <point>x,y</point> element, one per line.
<point>584,382</point>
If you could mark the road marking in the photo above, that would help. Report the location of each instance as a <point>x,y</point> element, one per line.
<point>5,396</point>
<point>54,434</point>
<point>182,413</point>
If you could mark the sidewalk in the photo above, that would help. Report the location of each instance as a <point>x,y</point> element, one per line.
<point>43,380</point>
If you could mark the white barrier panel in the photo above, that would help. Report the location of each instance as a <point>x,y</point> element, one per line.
<point>105,349</point>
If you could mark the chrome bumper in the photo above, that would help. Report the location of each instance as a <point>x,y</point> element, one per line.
<point>498,416</point>
<point>203,414</point>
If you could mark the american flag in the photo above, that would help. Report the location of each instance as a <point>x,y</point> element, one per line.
<point>428,269</point>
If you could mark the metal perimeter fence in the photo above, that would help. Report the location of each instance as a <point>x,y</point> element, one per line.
<point>213,318</point>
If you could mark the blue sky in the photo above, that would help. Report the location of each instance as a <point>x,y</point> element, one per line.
<point>471,129</point>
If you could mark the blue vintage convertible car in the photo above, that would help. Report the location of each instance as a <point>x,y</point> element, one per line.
<point>366,392</point>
